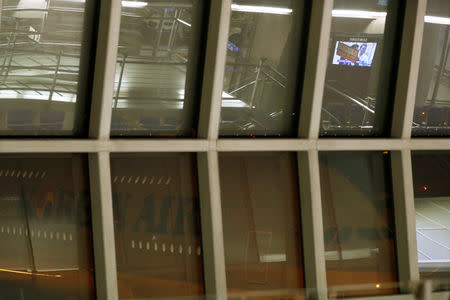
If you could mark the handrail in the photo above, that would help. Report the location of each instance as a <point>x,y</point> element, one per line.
<point>331,115</point>
<point>351,99</point>
<point>56,9</point>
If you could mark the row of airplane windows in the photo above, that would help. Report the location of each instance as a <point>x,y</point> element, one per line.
<point>44,234</point>
<point>24,174</point>
<point>172,248</point>
<point>36,174</point>
<point>134,244</point>
<point>143,179</point>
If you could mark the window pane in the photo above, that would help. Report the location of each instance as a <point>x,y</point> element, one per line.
<point>360,78</point>
<point>157,226</point>
<point>262,71</point>
<point>261,225</point>
<point>358,225</point>
<point>45,61</point>
<point>158,69</point>
<point>432,111</point>
<point>45,228</point>
<point>432,202</point>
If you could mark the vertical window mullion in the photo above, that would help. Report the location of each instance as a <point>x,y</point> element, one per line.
<point>212,226</point>
<point>405,225</point>
<point>408,69</point>
<point>214,70</point>
<point>99,163</point>
<point>312,224</point>
<point>308,162</point>
<point>208,164</point>
<point>315,69</point>
<point>402,181</point>
<point>105,69</point>
<point>103,226</point>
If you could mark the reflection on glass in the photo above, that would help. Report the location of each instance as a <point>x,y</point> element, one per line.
<point>41,46</point>
<point>158,67</point>
<point>261,225</point>
<point>261,74</point>
<point>358,223</point>
<point>432,110</point>
<point>432,202</point>
<point>360,75</point>
<point>45,228</point>
<point>157,226</point>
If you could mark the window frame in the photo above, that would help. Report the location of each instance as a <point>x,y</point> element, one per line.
<point>207,145</point>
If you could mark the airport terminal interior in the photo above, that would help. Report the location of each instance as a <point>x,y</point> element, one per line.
<point>224,149</point>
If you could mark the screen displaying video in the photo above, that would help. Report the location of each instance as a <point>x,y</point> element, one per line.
<point>354,53</point>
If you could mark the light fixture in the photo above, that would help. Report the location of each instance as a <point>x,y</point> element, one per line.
<point>358,14</point>
<point>261,9</point>
<point>134,4</point>
<point>437,20</point>
<point>365,14</point>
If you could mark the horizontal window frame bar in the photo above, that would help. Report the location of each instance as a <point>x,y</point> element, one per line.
<point>223,145</point>
<point>93,146</point>
<point>344,144</point>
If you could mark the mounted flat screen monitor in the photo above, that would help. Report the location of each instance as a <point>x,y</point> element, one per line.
<point>350,53</point>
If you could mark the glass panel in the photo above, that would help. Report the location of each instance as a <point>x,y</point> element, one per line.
<point>158,69</point>
<point>361,76</point>
<point>432,202</point>
<point>432,110</point>
<point>45,228</point>
<point>262,72</point>
<point>44,52</point>
<point>261,225</point>
<point>157,226</point>
<point>358,224</point>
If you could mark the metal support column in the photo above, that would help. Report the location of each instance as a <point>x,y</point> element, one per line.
<point>119,84</point>
<point>55,77</point>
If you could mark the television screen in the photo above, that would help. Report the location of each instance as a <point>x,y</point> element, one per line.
<point>354,53</point>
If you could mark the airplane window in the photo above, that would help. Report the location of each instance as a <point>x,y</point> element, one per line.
<point>262,73</point>
<point>358,223</point>
<point>260,209</point>
<point>44,48</point>
<point>432,203</point>
<point>360,73</point>
<point>157,226</point>
<point>432,109</point>
<point>158,68</point>
<point>45,228</point>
